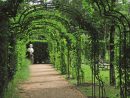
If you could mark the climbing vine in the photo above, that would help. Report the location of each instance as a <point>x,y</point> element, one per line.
<point>78,33</point>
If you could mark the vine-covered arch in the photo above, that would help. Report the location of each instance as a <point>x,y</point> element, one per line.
<point>106,9</point>
<point>74,15</point>
<point>74,18</point>
<point>79,21</point>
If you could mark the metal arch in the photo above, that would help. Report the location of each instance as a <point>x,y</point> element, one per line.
<point>126,30</point>
<point>53,38</point>
<point>33,32</point>
<point>38,28</point>
<point>59,19</point>
<point>51,15</point>
<point>33,20</point>
<point>82,22</point>
<point>121,19</point>
<point>46,23</point>
<point>27,12</point>
<point>113,13</point>
<point>41,28</point>
<point>42,6</point>
<point>54,28</point>
<point>75,16</point>
<point>112,16</point>
<point>15,25</point>
<point>52,25</point>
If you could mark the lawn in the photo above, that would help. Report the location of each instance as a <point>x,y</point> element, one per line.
<point>86,87</point>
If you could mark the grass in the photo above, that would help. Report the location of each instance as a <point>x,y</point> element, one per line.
<point>86,88</point>
<point>21,75</point>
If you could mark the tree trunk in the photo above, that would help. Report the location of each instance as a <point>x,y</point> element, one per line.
<point>112,70</point>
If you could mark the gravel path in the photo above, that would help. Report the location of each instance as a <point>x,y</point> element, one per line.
<point>46,82</point>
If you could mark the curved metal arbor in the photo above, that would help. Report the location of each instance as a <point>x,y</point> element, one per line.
<point>106,9</point>
<point>75,16</point>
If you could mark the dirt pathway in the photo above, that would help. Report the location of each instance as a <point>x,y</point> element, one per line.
<point>46,82</point>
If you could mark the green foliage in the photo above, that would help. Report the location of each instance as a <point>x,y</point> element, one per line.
<point>22,72</point>
<point>21,75</point>
<point>112,92</point>
<point>68,47</point>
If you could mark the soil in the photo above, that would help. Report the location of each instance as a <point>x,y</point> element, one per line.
<point>46,82</point>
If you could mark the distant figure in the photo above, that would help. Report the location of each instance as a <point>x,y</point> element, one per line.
<point>31,51</point>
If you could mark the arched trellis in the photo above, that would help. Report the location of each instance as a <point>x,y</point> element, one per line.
<point>62,20</point>
<point>107,10</point>
<point>60,34</point>
<point>42,27</point>
<point>45,23</point>
<point>102,4</point>
<point>66,38</point>
<point>38,17</point>
<point>42,20</point>
<point>46,13</point>
<point>72,14</point>
<point>51,38</point>
<point>79,20</point>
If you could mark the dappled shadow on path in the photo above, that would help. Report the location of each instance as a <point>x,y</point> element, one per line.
<point>62,92</point>
<point>46,82</point>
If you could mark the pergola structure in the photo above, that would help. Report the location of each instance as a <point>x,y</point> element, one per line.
<point>25,23</point>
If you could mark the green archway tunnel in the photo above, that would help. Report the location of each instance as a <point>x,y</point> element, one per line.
<point>72,38</point>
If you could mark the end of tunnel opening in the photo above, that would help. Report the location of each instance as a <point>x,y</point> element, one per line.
<point>41,52</point>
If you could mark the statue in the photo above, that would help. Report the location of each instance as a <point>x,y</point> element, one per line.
<point>31,51</point>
